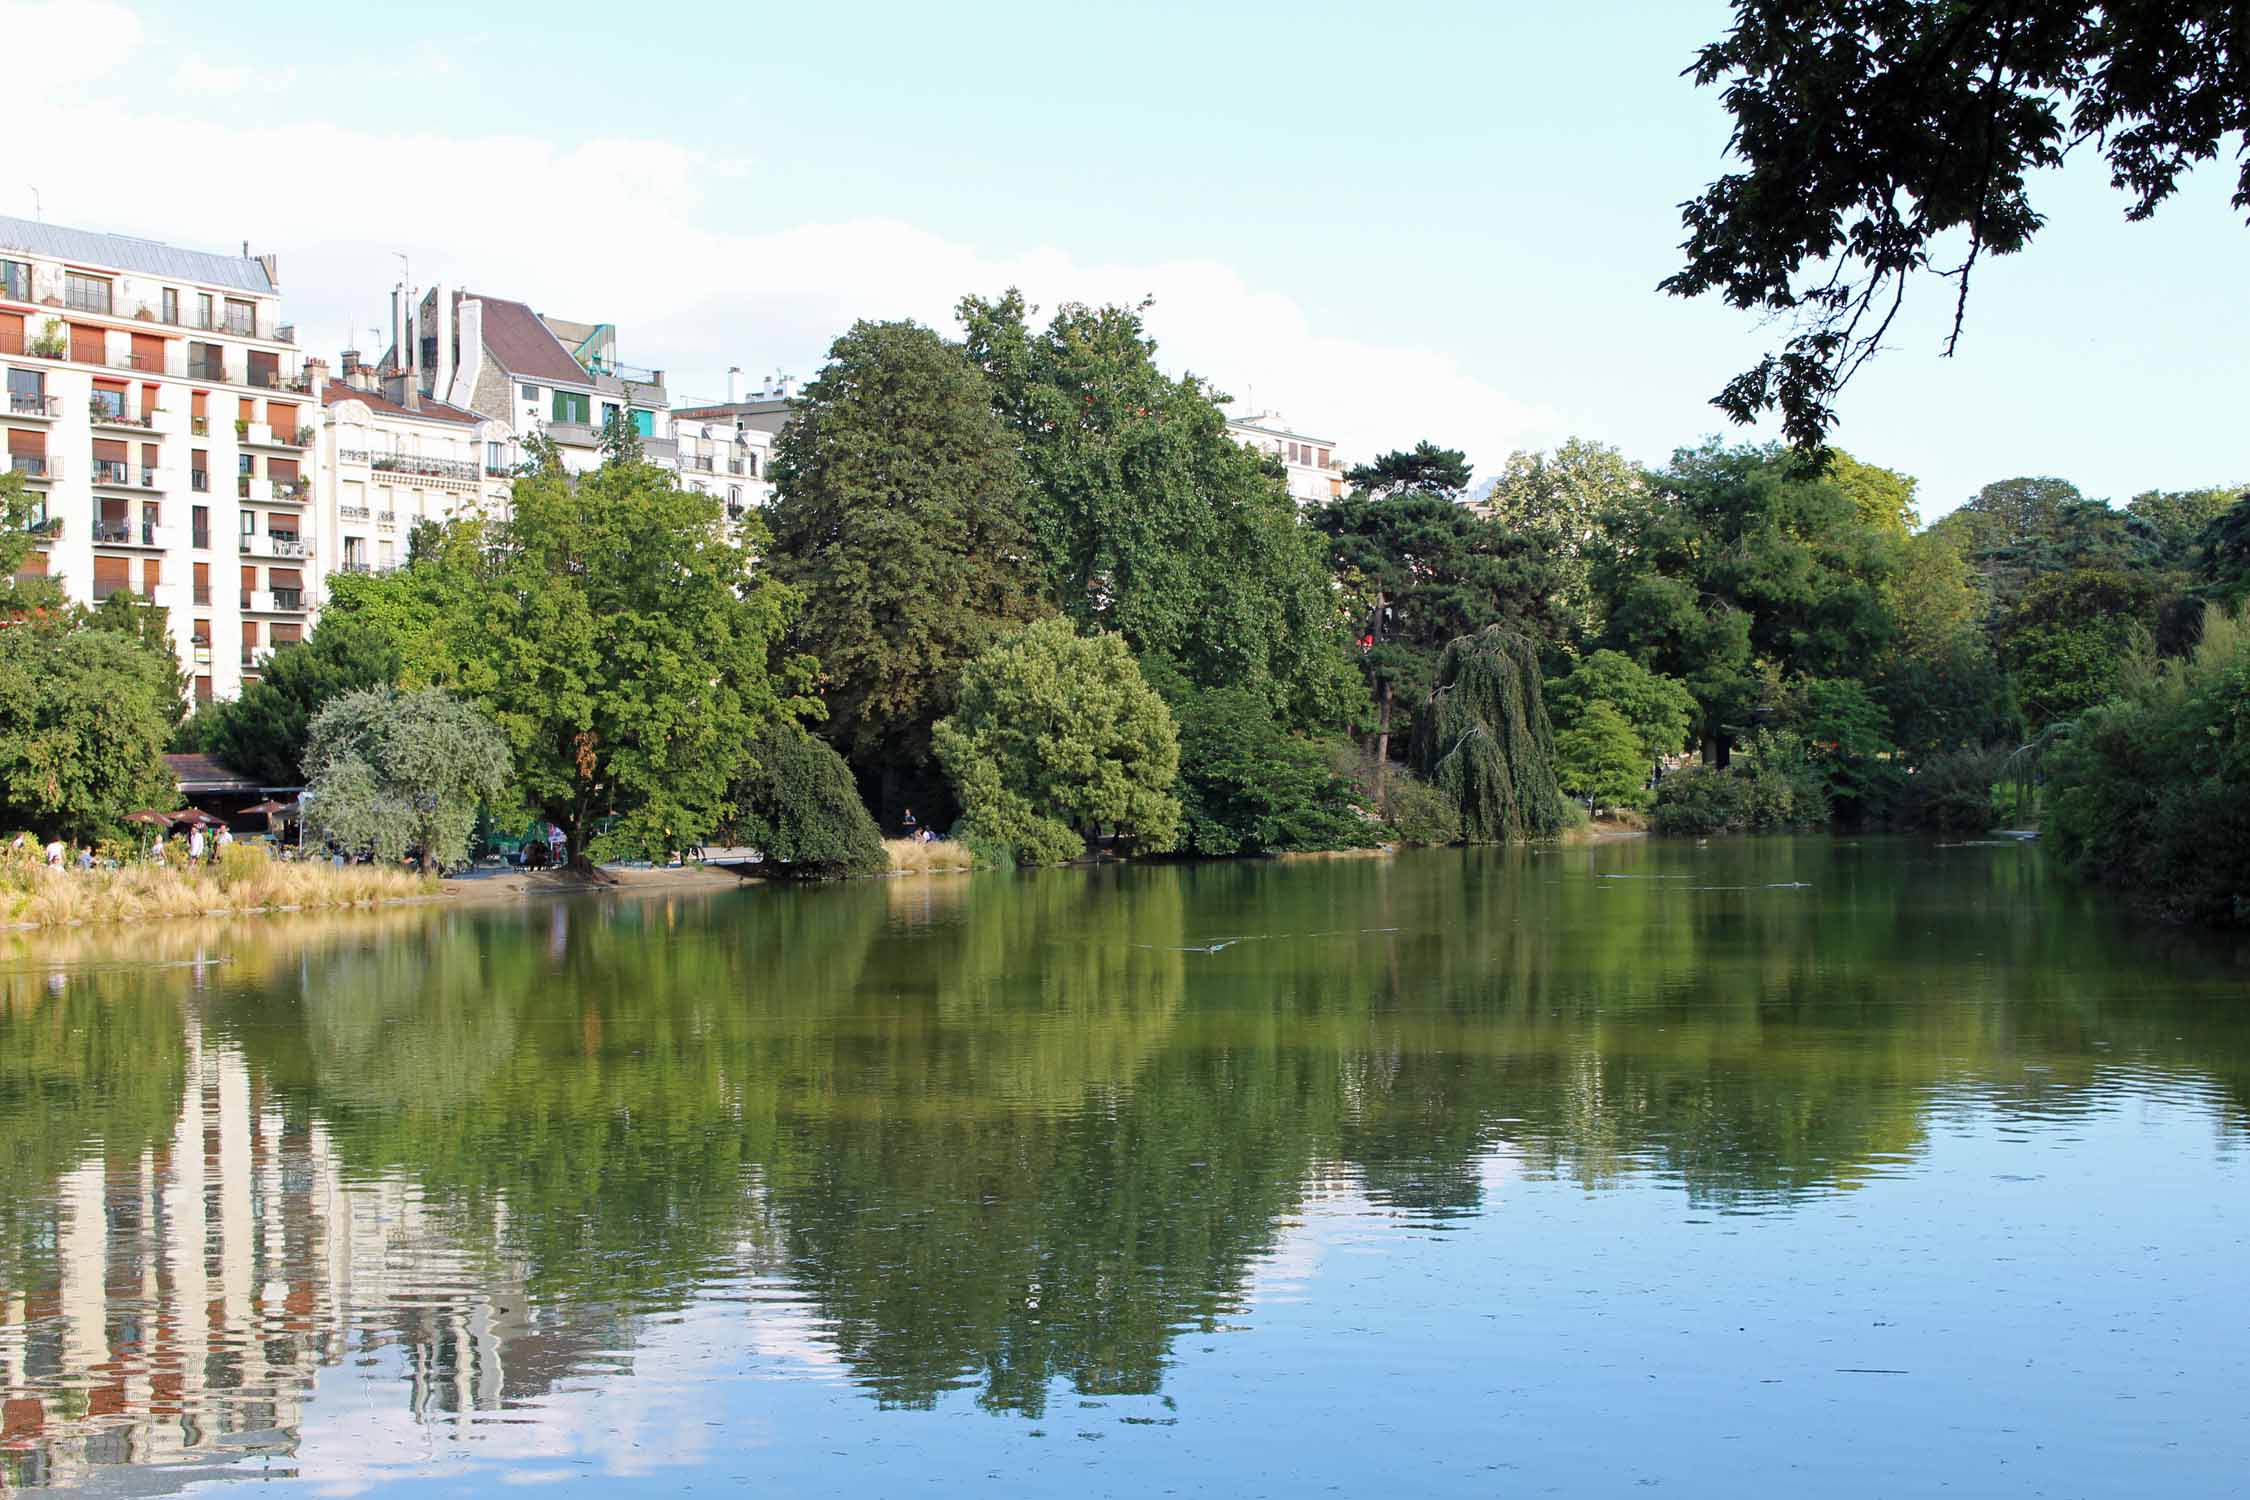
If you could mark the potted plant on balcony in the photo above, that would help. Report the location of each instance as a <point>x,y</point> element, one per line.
<point>52,342</point>
<point>145,313</point>
<point>241,429</point>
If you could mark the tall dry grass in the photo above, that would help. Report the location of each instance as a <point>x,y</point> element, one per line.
<point>245,880</point>
<point>942,857</point>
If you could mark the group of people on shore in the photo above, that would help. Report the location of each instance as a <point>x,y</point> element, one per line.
<point>55,854</point>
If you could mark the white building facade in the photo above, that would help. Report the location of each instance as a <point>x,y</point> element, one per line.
<point>1315,473</point>
<point>162,415</point>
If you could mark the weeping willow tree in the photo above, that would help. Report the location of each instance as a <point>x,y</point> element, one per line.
<point>1483,737</point>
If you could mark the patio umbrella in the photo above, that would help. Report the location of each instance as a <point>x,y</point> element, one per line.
<point>193,816</point>
<point>161,820</point>
<point>268,807</point>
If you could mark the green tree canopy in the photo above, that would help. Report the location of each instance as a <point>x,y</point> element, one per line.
<point>1419,570</point>
<point>1147,519</point>
<point>795,803</point>
<point>1247,786</point>
<point>1740,567</point>
<point>1884,139</point>
<point>616,630</point>
<point>899,518</point>
<point>1483,737</point>
<point>1659,710</point>
<point>263,733</point>
<point>392,772</point>
<point>1558,500</point>
<point>86,710</point>
<point>2066,640</point>
<point>1057,737</point>
<point>1600,758</point>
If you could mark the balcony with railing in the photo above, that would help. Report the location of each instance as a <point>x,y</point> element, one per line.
<point>419,466</point>
<point>113,533</point>
<point>292,491</point>
<point>203,594</point>
<point>36,468</point>
<point>78,296</point>
<point>276,544</point>
<point>352,512</point>
<point>25,404</point>
<point>288,598</point>
<point>199,426</point>
<point>114,413</point>
<point>109,474</point>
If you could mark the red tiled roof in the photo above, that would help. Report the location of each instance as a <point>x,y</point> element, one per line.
<point>432,410</point>
<point>524,346</point>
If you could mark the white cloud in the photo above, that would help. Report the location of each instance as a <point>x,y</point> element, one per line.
<point>62,42</point>
<point>624,230</point>
<point>200,75</point>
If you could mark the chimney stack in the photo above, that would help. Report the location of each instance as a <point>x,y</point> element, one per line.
<point>441,384</point>
<point>734,385</point>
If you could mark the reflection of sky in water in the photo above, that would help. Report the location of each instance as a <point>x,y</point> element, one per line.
<point>1412,1177</point>
<point>1896,1339</point>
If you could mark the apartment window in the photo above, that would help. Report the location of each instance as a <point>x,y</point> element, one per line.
<point>609,414</point>
<point>171,304</point>
<point>750,462</point>
<point>206,361</point>
<point>571,406</point>
<point>203,310</point>
<point>85,293</point>
<point>249,523</point>
<point>495,458</point>
<point>242,317</point>
<point>644,422</point>
<point>1324,458</point>
<point>15,280</point>
<point>242,467</point>
<point>200,527</point>
<point>27,391</point>
<point>529,393</point>
<point>105,402</point>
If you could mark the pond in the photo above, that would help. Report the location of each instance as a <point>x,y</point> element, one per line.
<point>1770,1166</point>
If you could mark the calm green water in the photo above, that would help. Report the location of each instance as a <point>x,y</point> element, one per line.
<point>1769,1167</point>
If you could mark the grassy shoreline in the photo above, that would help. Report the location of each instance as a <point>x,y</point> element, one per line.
<point>142,893</point>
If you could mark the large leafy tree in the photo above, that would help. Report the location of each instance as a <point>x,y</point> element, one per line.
<point>263,733</point>
<point>2066,639</point>
<point>1740,568</point>
<point>393,772</point>
<point>86,710</point>
<point>1148,519</point>
<point>616,629</point>
<point>1247,786</point>
<point>1056,738</point>
<point>1658,710</point>
<point>1558,500</point>
<point>795,803</point>
<point>1880,140</point>
<point>1420,569</point>
<point>899,518</point>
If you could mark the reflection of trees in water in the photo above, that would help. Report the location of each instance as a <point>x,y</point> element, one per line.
<point>1028,1134</point>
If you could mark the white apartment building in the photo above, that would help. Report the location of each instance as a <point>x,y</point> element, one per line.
<point>395,458</point>
<point>160,410</point>
<point>1316,475</point>
<point>533,374</point>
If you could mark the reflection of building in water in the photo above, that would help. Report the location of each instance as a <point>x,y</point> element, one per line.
<point>199,1289</point>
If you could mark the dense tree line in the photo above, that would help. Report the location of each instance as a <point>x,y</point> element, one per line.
<point>1024,587</point>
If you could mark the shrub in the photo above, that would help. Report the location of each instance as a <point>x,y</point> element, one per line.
<point>796,803</point>
<point>1056,737</point>
<point>2151,791</point>
<point>1419,813</point>
<point>1951,793</point>
<point>1483,737</point>
<point>1248,787</point>
<point>1772,790</point>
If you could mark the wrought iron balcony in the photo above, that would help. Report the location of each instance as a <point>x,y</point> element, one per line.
<point>38,467</point>
<point>24,404</point>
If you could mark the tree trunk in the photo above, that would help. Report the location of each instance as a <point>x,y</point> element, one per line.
<point>1382,739</point>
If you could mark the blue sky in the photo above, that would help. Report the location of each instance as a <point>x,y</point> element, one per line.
<point>1393,222</point>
